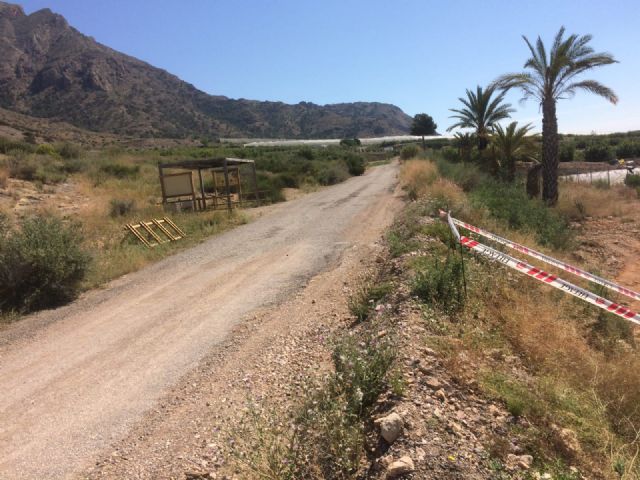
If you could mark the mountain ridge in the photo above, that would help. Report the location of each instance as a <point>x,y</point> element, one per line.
<point>48,69</point>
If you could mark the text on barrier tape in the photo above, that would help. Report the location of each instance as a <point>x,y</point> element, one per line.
<point>547,259</point>
<point>544,277</point>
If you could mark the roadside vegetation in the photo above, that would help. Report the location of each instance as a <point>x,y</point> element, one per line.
<point>568,384</point>
<point>81,199</point>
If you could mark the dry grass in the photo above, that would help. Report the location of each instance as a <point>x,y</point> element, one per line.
<point>4,178</point>
<point>579,200</point>
<point>416,176</point>
<point>593,391</point>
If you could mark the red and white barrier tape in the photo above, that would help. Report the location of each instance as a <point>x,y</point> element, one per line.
<point>543,276</point>
<point>550,260</point>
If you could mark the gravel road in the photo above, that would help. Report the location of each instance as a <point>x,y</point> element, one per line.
<point>74,380</point>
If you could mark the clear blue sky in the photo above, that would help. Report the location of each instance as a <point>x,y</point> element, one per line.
<point>419,55</point>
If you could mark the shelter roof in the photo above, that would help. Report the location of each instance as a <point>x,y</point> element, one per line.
<point>206,163</point>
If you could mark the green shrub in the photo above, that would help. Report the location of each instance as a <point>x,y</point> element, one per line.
<point>598,152</point>
<point>567,152</point>
<point>287,180</point>
<point>332,174</point>
<point>467,176</point>
<point>120,170</point>
<point>74,165</point>
<point>270,187</point>
<point>120,208</point>
<point>41,265</point>
<point>408,152</point>
<point>361,367</point>
<point>306,153</point>
<point>355,164</point>
<point>350,142</point>
<point>450,154</point>
<point>511,204</point>
<point>632,180</point>
<point>437,143</point>
<point>69,150</point>
<point>7,146</point>
<point>441,283</point>
<point>22,166</point>
<point>46,149</point>
<point>365,297</point>
<point>628,149</point>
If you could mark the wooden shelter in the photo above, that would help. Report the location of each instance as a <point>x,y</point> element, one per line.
<point>183,183</point>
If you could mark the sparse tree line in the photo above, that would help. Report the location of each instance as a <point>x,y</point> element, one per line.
<point>549,75</point>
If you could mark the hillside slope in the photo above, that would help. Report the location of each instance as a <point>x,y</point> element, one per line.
<point>50,70</point>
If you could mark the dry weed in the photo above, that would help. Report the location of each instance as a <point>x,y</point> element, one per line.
<point>447,194</point>
<point>4,178</point>
<point>416,176</point>
<point>579,200</point>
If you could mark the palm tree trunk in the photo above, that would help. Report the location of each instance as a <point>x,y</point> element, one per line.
<point>533,181</point>
<point>549,152</point>
<point>511,169</point>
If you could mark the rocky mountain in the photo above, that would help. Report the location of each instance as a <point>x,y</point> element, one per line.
<point>50,70</point>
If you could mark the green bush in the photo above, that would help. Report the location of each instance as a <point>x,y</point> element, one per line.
<point>22,166</point>
<point>350,142</point>
<point>361,367</point>
<point>120,170</point>
<point>288,180</point>
<point>450,154</point>
<point>365,297</point>
<point>632,180</point>
<point>437,143</point>
<point>270,187</point>
<point>511,204</point>
<point>120,208</point>
<point>7,146</point>
<point>467,176</point>
<point>598,152</point>
<point>41,264</point>
<point>69,150</point>
<point>306,153</point>
<point>332,174</point>
<point>355,164</point>
<point>628,149</point>
<point>441,283</point>
<point>409,152</point>
<point>567,152</point>
<point>46,149</point>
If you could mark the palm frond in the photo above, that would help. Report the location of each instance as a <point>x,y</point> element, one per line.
<point>593,87</point>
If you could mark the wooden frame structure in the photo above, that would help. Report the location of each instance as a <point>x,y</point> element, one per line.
<point>178,184</point>
<point>149,237</point>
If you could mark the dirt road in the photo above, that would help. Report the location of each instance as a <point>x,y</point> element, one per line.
<point>75,380</point>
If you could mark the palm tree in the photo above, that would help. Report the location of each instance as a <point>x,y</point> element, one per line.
<point>464,143</point>
<point>549,78</point>
<point>512,143</point>
<point>481,113</point>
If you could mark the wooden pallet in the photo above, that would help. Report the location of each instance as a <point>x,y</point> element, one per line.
<point>156,231</point>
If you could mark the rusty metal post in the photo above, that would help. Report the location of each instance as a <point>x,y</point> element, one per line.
<point>226,184</point>
<point>255,183</point>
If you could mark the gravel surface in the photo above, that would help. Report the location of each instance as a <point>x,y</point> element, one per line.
<point>75,380</point>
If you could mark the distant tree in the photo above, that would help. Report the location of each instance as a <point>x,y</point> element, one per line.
<point>423,125</point>
<point>549,78</point>
<point>350,142</point>
<point>481,113</point>
<point>512,143</point>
